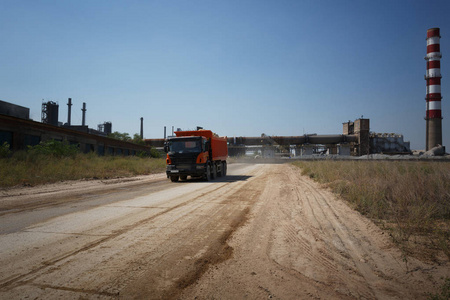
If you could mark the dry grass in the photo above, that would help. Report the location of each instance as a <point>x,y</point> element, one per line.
<point>410,199</point>
<point>26,169</point>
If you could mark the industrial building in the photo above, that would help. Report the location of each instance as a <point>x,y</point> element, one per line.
<point>19,131</point>
<point>388,143</point>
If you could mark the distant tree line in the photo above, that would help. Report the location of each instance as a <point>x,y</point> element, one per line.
<point>126,137</point>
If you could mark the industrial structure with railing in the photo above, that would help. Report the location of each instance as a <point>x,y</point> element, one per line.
<point>19,132</point>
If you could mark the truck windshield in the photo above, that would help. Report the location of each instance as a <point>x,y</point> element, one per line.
<point>185,146</point>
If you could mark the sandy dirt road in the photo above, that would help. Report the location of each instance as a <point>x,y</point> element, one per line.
<point>263,232</point>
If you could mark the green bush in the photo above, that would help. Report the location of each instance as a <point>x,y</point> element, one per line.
<point>153,153</point>
<point>5,150</point>
<point>120,136</point>
<point>54,148</point>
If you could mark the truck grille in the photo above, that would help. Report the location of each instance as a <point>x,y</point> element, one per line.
<point>183,160</point>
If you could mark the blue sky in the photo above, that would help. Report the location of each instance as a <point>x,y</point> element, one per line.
<point>240,68</point>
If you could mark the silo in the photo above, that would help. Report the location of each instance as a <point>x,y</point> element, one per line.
<point>50,113</point>
<point>108,127</point>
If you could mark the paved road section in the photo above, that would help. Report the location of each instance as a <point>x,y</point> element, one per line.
<point>262,232</point>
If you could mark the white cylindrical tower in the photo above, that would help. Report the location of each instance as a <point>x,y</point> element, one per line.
<point>433,78</point>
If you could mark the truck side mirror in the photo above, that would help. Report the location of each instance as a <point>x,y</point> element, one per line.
<point>166,148</point>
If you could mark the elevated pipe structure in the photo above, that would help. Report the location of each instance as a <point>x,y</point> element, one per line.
<point>294,140</point>
<point>355,137</point>
<point>280,140</point>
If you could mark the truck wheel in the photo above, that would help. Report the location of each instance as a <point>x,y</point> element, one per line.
<point>219,173</point>
<point>224,168</point>
<point>174,178</point>
<point>214,172</point>
<point>183,177</point>
<point>207,175</point>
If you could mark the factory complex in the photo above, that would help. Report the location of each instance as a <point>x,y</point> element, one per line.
<point>18,131</point>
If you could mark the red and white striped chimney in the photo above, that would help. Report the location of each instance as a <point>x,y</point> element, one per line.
<point>433,77</point>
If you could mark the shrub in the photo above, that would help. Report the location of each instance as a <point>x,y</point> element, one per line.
<point>53,148</point>
<point>5,150</point>
<point>153,153</point>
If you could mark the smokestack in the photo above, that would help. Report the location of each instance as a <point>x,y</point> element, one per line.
<point>69,111</point>
<point>164,132</point>
<point>433,78</point>
<point>84,114</point>
<point>142,128</point>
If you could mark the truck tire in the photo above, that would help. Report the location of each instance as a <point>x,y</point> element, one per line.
<point>183,177</point>
<point>224,168</point>
<point>174,178</point>
<point>214,172</point>
<point>207,175</point>
<point>219,173</point>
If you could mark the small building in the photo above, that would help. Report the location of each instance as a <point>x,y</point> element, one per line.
<point>14,110</point>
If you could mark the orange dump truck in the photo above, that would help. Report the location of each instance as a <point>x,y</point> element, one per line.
<point>196,153</point>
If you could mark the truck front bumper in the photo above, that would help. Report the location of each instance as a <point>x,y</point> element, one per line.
<point>196,170</point>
